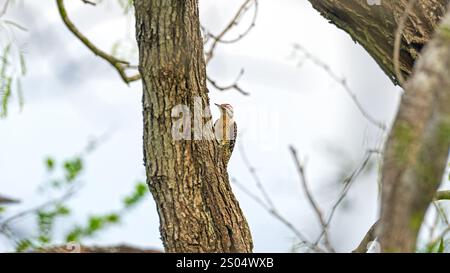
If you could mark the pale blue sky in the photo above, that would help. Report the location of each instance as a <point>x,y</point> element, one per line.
<point>71,96</point>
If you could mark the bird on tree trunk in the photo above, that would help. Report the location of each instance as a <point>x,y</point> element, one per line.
<point>225,130</point>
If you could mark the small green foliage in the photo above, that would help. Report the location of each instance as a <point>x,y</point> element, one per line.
<point>66,181</point>
<point>6,96</point>
<point>2,210</point>
<point>139,192</point>
<point>403,136</point>
<point>4,61</point>
<point>24,245</point>
<point>10,76</point>
<point>46,220</point>
<point>441,248</point>
<point>73,168</point>
<point>50,164</point>
<point>436,246</point>
<point>97,223</point>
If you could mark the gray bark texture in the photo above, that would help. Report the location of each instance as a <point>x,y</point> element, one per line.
<point>417,150</point>
<point>374,27</point>
<point>188,179</point>
<point>418,145</point>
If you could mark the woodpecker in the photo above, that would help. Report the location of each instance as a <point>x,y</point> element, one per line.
<point>225,130</point>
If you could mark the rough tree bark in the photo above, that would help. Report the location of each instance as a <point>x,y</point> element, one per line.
<point>189,182</point>
<point>417,148</point>
<point>374,27</point>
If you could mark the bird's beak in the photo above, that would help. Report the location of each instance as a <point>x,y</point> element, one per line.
<point>218,105</point>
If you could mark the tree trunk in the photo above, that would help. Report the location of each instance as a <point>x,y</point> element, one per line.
<point>374,27</point>
<point>417,148</point>
<point>188,179</point>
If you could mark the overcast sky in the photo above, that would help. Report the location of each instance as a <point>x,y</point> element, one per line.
<point>72,96</point>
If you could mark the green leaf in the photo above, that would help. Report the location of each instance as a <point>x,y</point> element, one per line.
<point>62,210</point>
<point>441,247</point>
<point>6,97</point>
<point>73,168</point>
<point>74,235</point>
<point>50,164</point>
<point>112,218</point>
<point>139,192</point>
<point>24,245</point>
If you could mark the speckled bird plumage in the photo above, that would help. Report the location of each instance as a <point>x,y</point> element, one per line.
<point>225,129</point>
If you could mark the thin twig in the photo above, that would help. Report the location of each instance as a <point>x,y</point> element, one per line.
<point>370,236</point>
<point>343,83</point>
<point>234,21</point>
<point>243,34</point>
<point>312,201</point>
<point>89,2</point>
<point>232,86</point>
<point>348,181</point>
<point>5,8</point>
<point>441,213</point>
<point>255,177</point>
<point>442,195</point>
<point>274,212</point>
<point>67,195</point>
<point>268,204</point>
<point>119,65</point>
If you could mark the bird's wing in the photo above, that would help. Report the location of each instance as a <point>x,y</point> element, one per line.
<point>233,139</point>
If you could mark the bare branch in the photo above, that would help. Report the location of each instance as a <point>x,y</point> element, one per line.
<point>275,213</point>
<point>348,182</point>
<point>4,225</point>
<point>234,21</point>
<point>442,195</point>
<point>4,8</point>
<point>89,2</point>
<point>255,177</point>
<point>232,86</point>
<point>312,201</point>
<point>120,65</point>
<point>369,237</point>
<point>268,204</point>
<point>6,200</point>
<point>343,82</point>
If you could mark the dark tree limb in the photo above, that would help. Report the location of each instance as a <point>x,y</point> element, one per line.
<point>374,27</point>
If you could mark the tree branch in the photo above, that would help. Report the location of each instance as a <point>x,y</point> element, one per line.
<point>369,237</point>
<point>312,201</point>
<point>374,28</point>
<point>417,148</point>
<point>120,65</point>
